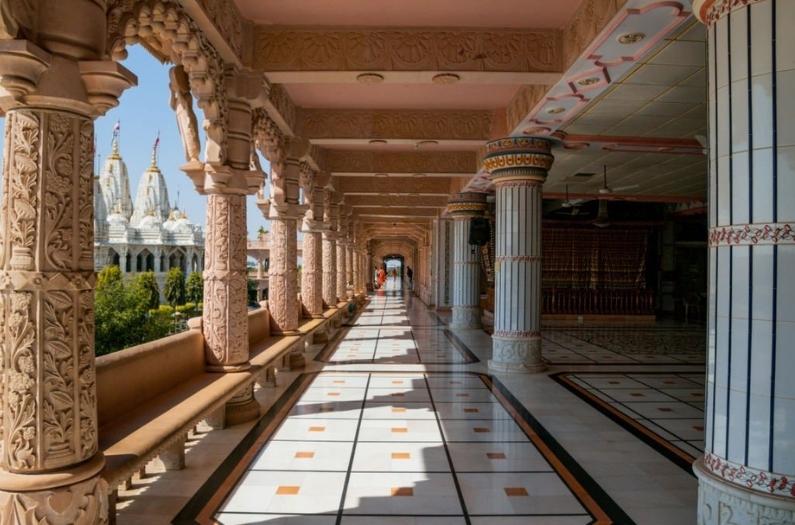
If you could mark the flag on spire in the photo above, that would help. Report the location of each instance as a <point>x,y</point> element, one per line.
<point>116,129</point>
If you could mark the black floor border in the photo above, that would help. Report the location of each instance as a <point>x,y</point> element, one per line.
<point>622,421</point>
<point>608,505</point>
<point>187,515</point>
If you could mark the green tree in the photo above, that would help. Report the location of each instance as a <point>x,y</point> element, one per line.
<point>194,288</point>
<point>119,313</point>
<point>146,284</point>
<point>252,291</point>
<point>174,289</point>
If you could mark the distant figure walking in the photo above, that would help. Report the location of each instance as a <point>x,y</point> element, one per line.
<point>410,275</point>
<point>381,277</point>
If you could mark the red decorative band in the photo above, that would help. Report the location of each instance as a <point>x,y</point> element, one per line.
<point>752,234</point>
<point>710,11</point>
<point>510,334</point>
<point>749,477</point>
<point>517,258</point>
<point>507,160</point>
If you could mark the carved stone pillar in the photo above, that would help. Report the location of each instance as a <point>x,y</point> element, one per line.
<point>466,263</point>
<point>342,250</point>
<point>225,320</point>
<point>312,228</point>
<point>284,213</point>
<point>747,473</point>
<point>50,464</point>
<point>330,250</point>
<point>518,167</point>
<point>225,302</point>
<point>349,285</point>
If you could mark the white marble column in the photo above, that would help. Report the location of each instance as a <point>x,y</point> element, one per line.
<point>463,207</point>
<point>518,167</point>
<point>747,473</point>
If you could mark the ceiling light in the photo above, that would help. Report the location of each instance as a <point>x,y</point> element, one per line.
<point>419,175</point>
<point>424,143</point>
<point>446,78</point>
<point>370,78</point>
<point>382,175</point>
<point>590,81</point>
<point>631,38</point>
<point>377,141</point>
<point>556,110</point>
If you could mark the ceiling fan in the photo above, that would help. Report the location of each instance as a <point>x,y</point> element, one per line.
<point>602,217</point>
<point>570,207</point>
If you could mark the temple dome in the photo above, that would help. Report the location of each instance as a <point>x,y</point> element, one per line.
<point>114,183</point>
<point>151,199</point>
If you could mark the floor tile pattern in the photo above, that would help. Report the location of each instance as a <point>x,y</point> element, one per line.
<point>664,409</point>
<point>648,345</point>
<point>404,444</point>
<point>388,332</point>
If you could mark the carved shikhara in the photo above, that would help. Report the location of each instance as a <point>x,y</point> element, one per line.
<point>394,124</point>
<point>406,50</point>
<point>84,503</point>
<point>47,301</point>
<point>168,31</point>
<point>283,275</point>
<point>225,319</point>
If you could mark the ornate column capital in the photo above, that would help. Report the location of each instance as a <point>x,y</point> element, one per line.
<point>710,11</point>
<point>467,204</point>
<point>518,160</point>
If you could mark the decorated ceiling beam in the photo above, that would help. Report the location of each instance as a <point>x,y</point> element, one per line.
<point>325,126</point>
<point>447,163</point>
<point>416,201</point>
<point>392,186</point>
<point>377,211</point>
<point>403,55</point>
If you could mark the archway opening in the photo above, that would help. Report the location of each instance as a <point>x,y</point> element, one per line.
<point>394,266</point>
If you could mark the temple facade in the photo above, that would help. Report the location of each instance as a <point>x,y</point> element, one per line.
<point>149,234</point>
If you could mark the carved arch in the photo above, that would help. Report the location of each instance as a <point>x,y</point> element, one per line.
<point>171,35</point>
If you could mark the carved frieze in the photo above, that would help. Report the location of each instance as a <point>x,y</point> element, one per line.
<point>394,124</point>
<point>339,161</point>
<point>406,50</point>
<point>227,19</point>
<point>589,20</point>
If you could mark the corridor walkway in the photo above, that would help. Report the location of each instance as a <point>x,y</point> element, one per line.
<point>397,422</point>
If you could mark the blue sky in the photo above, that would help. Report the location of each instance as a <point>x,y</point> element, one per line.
<point>142,111</point>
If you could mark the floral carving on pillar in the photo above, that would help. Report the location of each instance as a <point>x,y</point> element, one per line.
<point>225,319</point>
<point>46,279</point>
<point>312,227</point>
<point>283,275</point>
<point>83,503</point>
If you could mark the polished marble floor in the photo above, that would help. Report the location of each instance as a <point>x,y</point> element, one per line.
<point>397,421</point>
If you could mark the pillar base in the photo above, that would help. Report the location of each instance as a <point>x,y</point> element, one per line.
<point>243,407</point>
<point>517,355</point>
<point>466,318</point>
<point>27,499</point>
<point>721,502</point>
